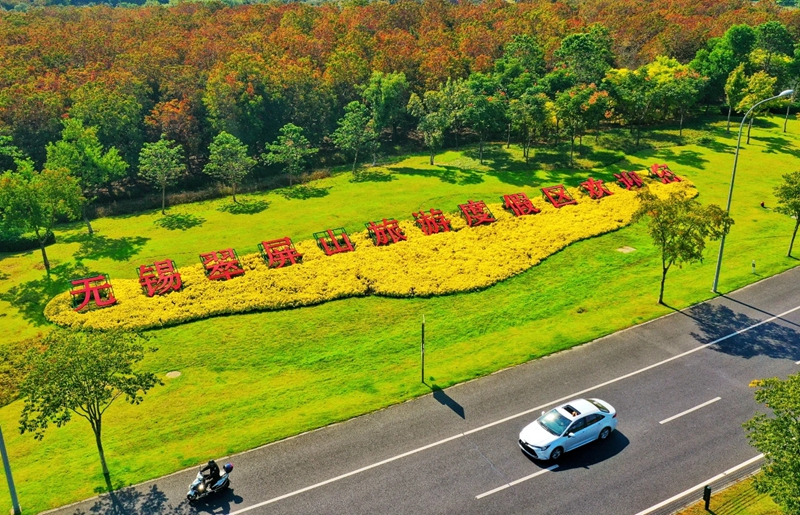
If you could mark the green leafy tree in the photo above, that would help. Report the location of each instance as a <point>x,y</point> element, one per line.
<point>735,90</point>
<point>529,114</point>
<point>587,54</point>
<point>760,86</point>
<point>577,108</point>
<point>82,374</point>
<point>33,201</point>
<point>290,149</point>
<point>683,92</point>
<point>228,160</point>
<point>716,62</point>
<point>81,152</point>
<point>774,38</point>
<point>387,94</point>
<point>485,110</point>
<point>741,39</point>
<point>456,96</point>
<point>788,195</point>
<point>355,131</point>
<point>793,75</point>
<point>776,435</point>
<point>434,118</point>
<point>679,227</point>
<point>633,95</point>
<point>161,164</point>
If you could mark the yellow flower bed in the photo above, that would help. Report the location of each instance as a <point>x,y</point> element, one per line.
<point>461,260</point>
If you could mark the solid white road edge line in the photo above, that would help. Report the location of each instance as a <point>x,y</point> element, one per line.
<point>701,485</point>
<point>512,417</point>
<point>518,481</point>
<point>712,401</point>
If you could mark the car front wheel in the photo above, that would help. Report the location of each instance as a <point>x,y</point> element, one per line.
<point>557,452</point>
<point>604,433</point>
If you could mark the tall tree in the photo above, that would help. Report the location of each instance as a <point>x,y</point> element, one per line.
<point>161,163</point>
<point>759,87</point>
<point>228,160</point>
<point>529,114</point>
<point>679,227</point>
<point>291,149</point>
<point>485,110</point>
<point>570,107</point>
<point>33,201</point>
<point>741,39</point>
<point>82,374</point>
<point>788,195</point>
<point>355,131</point>
<point>633,95</point>
<point>434,118</point>
<point>735,90</point>
<point>387,94</point>
<point>79,150</point>
<point>587,54</point>
<point>776,435</point>
<point>774,38</point>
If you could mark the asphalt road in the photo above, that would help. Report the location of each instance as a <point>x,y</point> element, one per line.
<point>443,452</point>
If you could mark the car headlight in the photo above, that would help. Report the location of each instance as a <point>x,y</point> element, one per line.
<point>541,448</point>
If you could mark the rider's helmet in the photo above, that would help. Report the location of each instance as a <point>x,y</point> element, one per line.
<point>228,467</point>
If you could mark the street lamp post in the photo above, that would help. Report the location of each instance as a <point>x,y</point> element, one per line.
<point>7,466</point>
<point>733,176</point>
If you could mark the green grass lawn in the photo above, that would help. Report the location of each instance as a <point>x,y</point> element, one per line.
<point>280,373</point>
<point>739,499</point>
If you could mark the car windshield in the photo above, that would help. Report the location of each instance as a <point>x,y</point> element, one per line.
<point>554,422</point>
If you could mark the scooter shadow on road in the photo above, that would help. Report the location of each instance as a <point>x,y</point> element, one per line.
<point>130,501</point>
<point>588,455</point>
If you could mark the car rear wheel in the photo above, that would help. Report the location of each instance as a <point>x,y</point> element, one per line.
<point>557,452</point>
<point>604,433</point>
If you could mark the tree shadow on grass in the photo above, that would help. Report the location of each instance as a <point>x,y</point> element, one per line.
<point>246,207</point>
<point>683,157</point>
<point>98,246</point>
<point>771,339</point>
<point>179,221</point>
<point>304,192</point>
<point>374,176</point>
<point>131,501</point>
<point>448,174</point>
<point>31,297</point>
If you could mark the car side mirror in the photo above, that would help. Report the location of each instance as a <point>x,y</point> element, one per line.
<point>570,435</point>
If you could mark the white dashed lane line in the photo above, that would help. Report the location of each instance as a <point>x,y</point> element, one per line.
<point>682,413</point>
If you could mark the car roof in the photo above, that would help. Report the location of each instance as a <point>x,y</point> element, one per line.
<point>582,406</point>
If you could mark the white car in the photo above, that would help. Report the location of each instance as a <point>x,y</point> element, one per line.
<point>567,427</point>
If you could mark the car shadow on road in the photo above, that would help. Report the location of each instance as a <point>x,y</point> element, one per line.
<point>130,501</point>
<point>717,324</point>
<point>588,455</point>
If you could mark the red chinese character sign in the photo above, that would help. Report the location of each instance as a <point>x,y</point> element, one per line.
<point>520,204</point>
<point>558,196</point>
<point>432,222</point>
<point>159,278</point>
<point>595,188</point>
<point>93,289</point>
<point>476,213</point>
<point>334,241</point>
<point>629,180</point>
<point>279,253</point>
<point>664,173</point>
<point>221,265</point>
<point>386,232</point>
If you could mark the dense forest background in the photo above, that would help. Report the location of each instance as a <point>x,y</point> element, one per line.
<point>193,69</point>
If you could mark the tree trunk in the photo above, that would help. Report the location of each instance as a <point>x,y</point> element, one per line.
<point>46,261</point>
<point>663,278</point>
<point>163,197</point>
<point>791,243</point>
<point>730,108</point>
<point>355,160</point>
<point>638,134</point>
<point>786,120</point>
<point>749,126</point>
<point>571,147</point>
<point>431,157</point>
<point>508,140</point>
<point>234,191</point>
<point>455,133</point>
<point>374,159</point>
<point>96,427</point>
<point>680,130</point>
<point>480,148</point>
<point>86,219</point>
<point>580,142</point>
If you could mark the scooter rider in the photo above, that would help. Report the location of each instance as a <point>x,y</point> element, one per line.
<point>213,472</point>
